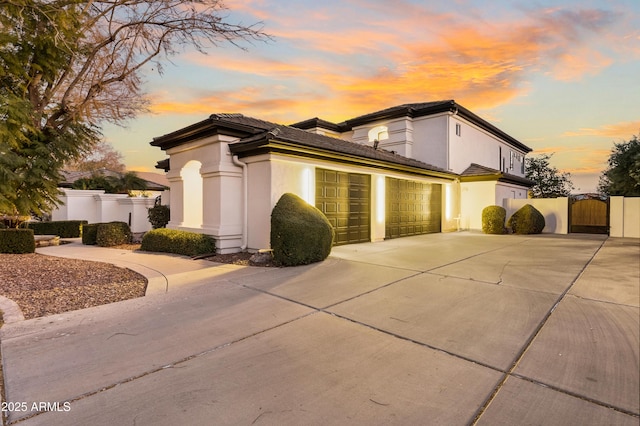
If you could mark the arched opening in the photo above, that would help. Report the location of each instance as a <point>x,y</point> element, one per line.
<point>192,194</point>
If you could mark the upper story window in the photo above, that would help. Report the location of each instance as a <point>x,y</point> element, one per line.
<point>458,129</point>
<point>378,133</point>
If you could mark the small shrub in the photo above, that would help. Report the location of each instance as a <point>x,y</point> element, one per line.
<point>89,234</point>
<point>300,233</point>
<point>527,220</point>
<point>112,234</point>
<point>61,228</point>
<point>159,216</point>
<point>493,219</point>
<point>178,242</point>
<point>2,225</point>
<point>17,241</point>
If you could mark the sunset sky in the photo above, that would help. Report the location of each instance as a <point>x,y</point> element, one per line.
<point>561,76</point>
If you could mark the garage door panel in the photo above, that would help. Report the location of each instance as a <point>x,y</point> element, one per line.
<point>412,208</point>
<point>344,199</point>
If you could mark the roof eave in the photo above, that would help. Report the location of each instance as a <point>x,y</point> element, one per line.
<point>205,128</point>
<point>267,145</point>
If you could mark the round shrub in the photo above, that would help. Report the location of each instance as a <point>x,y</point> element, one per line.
<point>179,242</point>
<point>159,216</point>
<point>493,219</point>
<point>300,233</point>
<point>527,220</point>
<point>17,241</point>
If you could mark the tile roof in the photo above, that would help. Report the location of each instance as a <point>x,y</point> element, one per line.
<point>273,131</point>
<point>478,171</point>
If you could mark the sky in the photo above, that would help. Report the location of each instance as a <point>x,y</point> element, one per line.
<point>563,77</point>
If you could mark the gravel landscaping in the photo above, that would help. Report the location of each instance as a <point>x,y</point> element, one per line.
<point>46,285</point>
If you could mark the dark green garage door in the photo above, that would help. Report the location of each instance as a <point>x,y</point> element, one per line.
<point>345,199</point>
<point>413,208</point>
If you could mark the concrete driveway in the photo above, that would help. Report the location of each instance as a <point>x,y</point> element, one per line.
<point>442,329</point>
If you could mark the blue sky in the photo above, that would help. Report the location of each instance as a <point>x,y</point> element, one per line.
<point>560,76</point>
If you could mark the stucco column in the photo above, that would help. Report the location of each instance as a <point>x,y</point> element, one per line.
<point>222,204</point>
<point>176,185</point>
<point>378,207</point>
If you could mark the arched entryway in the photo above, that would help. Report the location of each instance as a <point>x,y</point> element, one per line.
<point>192,194</point>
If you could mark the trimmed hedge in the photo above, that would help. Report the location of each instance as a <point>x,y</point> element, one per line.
<point>527,220</point>
<point>493,219</point>
<point>113,234</point>
<point>106,234</point>
<point>178,242</point>
<point>17,241</point>
<point>300,233</point>
<point>61,228</point>
<point>89,234</point>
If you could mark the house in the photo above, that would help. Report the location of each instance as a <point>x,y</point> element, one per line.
<point>406,170</point>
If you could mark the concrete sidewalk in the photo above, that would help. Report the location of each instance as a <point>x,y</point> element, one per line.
<point>448,329</point>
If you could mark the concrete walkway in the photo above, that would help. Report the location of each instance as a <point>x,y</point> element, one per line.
<point>449,329</point>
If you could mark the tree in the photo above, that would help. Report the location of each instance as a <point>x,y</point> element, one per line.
<point>549,182</point>
<point>102,156</point>
<point>121,183</point>
<point>622,176</point>
<point>69,66</point>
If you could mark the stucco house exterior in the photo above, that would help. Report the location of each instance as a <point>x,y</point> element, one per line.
<point>406,170</point>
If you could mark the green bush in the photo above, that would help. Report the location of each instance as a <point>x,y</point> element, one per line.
<point>493,219</point>
<point>2,225</point>
<point>159,216</point>
<point>112,234</point>
<point>61,228</point>
<point>179,242</point>
<point>17,241</point>
<point>527,220</point>
<point>89,234</point>
<point>300,233</point>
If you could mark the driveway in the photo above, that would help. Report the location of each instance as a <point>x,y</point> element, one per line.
<point>449,329</point>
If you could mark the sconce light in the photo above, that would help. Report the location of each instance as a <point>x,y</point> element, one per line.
<point>375,144</point>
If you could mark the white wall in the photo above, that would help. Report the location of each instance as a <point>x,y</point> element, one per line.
<point>95,206</point>
<point>624,217</point>
<point>430,136</point>
<point>475,145</point>
<point>78,205</point>
<point>554,210</point>
<point>475,196</point>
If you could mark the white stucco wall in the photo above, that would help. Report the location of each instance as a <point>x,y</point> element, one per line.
<point>78,205</point>
<point>430,140</point>
<point>475,145</point>
<point>554,210</point>
<point>95,206</point>
<point>135,212</point>
<point>474,197</point>
<point>624,217</point>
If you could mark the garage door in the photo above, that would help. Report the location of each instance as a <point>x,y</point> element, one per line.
<point>412,208</point>
<point>345,199</point>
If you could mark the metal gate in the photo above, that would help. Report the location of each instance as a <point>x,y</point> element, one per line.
<point>589,216</point>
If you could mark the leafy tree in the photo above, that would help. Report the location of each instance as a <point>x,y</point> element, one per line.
<point>549,182</point>
<point>69,66</point>
<point>102,156</point>
<point>622,176</point>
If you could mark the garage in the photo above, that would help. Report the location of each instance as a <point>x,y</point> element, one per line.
<point>345,199</point>
<point>412,208</point>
